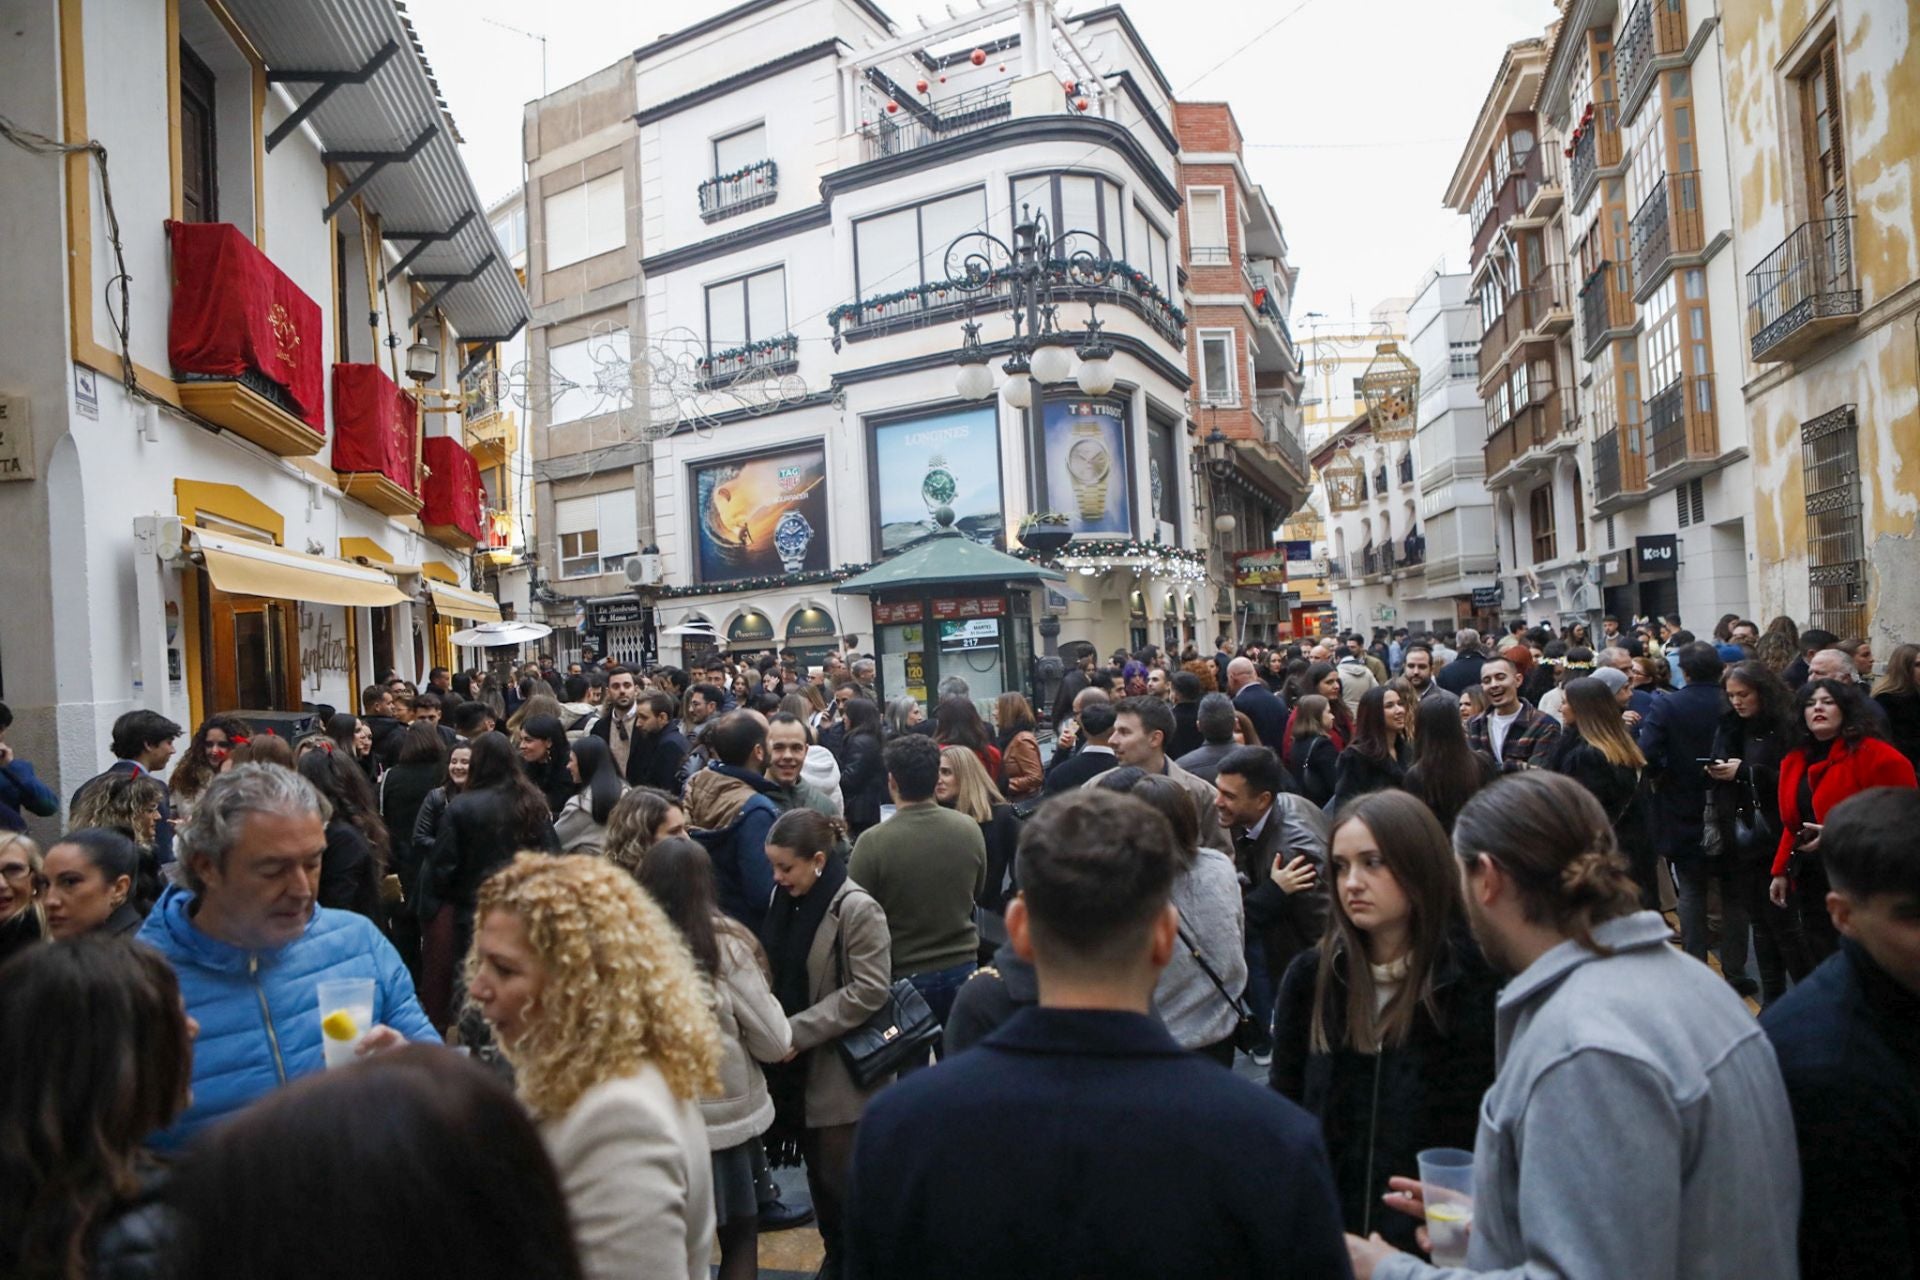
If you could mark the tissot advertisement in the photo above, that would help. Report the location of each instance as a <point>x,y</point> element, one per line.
<point>762,517</point>
<point>1085,471</point>
<point>949,460</point>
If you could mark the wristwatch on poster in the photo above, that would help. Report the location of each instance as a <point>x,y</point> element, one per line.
<point>791,538</point>
<point>1089,465</point>
<point>939,488</point>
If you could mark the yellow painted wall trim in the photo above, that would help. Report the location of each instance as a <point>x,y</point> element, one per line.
<point>191,639</point>
<point>439,573</point>
<point>194,498</point>
<point>351,548</point>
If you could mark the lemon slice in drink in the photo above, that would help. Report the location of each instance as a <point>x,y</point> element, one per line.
<point>1449,1213</point>
<point>339,1025</point>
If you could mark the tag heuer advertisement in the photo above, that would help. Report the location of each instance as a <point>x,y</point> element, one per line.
<point>762,517</point>
<point>1086,471</point>
<point>923,464</point>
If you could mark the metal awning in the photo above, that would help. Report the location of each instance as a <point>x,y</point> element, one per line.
<point>244,567</point>
<point>380,118</point>
<point>947,557</point>
<point>458,602</point>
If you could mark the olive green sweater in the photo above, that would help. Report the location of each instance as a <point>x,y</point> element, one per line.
<point>925,865</point>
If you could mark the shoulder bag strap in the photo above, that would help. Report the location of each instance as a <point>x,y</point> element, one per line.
<point>1233,1002</point>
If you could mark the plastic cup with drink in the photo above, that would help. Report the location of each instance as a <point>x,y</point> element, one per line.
<point>346,1014</point>
<point>1446,1186</point>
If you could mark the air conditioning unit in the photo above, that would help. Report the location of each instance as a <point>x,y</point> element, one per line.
<point>644,569</point>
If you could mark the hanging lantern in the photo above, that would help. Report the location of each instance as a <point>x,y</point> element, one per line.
<point>920,85</point>
<point>1390,389</point>
<point>978,57</point>
<point>1342,478</point>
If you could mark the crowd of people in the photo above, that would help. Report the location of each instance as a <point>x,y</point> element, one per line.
<point>621,943</point>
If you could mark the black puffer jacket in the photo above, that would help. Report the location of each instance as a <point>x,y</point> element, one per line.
<point>863,781</point>
<point>1378,1111</point>
<point>1357,774</point>
<point>134,1239</point>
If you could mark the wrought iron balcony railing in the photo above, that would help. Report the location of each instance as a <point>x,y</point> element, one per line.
<point>1681,423</point>
<point>1667,224</point>
<point>1802,289</point>
<point>1597,147</point>
<point>757,359</point>
<point>1655,29</point>
<point>915,125</point>
<point>1606,306</point>
<point>749,187</point>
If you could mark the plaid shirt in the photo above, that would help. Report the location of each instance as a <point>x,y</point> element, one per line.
<point>1532,739</point>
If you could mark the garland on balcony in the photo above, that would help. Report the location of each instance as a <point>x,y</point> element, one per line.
<point>785,342</point>
<point>745,169</point>
<point>1143,286</point>
<point>815,578</point>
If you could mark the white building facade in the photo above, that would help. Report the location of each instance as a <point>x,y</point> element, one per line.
<point>222,497</point>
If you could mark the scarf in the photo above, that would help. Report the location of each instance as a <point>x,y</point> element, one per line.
<point>788,935</point>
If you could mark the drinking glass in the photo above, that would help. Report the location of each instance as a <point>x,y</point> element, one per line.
<point>346,1014</point>
<point>1446,1184</point>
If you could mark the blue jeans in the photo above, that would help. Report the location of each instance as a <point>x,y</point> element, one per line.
<point>938,987</point>
<point>1261,995</point>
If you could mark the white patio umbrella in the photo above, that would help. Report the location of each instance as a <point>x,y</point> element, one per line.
<point>489,634</point>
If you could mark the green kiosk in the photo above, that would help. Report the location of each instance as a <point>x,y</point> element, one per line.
<point>950,606</point>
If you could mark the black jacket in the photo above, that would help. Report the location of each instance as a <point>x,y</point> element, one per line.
<point>1848,1041</point>
<point>478,835</point>
<point>989,999</point>
<point>349,873</point>
<point>1131,1161</point>
<point>1620,789</point>
<point>403,790</point>
<point>1903,722</point>
<point>1357,774</point>
<point>863,781</point>
<point>1074,772</point>
<point>1186,729</point>
<point>1676,735</point>
<point>1314,763</point>
<point>1268,713</point>
<point>1002,835</point>
<point>653,760</point>
<point>135,1237</point>
<point>388,733</point>
<point>1755,788</point>
<point>1377,1111</point>
<point>1461,674</point>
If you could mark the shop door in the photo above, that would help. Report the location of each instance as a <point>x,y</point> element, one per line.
<point>255,653</point>
<point>383,666</point>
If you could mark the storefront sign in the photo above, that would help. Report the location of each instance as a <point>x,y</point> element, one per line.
<point>16,439</point>
<point>812,624</point>
<point>1490,597</point>
<point>607,613</point>
<point>761,517</point>
<point>1085,465</point>
<point>981,608</point>
<point>914,673</point>
<point>750,628</point>
<point>1657,556</point>
<point>1260,569</point>
<point>1299,549</point>
<point>951,460</point>
<point>901,611</point>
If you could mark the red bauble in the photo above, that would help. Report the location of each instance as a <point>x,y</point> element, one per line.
<point>1068,85</point>
<point>1003,66</point>
<point>920,86</point>
<point>892,107</point>
<point>943,79</point>
<point>978,57</point>
<point>1079,104</point>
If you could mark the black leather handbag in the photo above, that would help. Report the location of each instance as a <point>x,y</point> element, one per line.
<point>898,1032</point>
<point>1247,1032</point>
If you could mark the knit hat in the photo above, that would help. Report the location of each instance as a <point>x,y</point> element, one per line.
<point>1613,677</point>
<point>1731,653</point>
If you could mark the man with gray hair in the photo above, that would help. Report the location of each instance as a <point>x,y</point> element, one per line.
<point>251,946</point>
<point>1216,722</point>
<point>954,687</point>
<point>863,680</point>
<point>1463,673</point>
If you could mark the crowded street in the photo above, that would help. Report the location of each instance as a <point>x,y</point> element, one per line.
<point>905,640</point>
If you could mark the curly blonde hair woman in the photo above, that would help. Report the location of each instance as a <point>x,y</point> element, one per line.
<point>595,1001</point>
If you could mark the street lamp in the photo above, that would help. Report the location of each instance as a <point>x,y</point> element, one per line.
<point>1037,270</point>
<point>1219,454</point>
<point>423,357</point>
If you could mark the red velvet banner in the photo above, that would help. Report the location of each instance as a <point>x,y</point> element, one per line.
<point>373,424</point>
<point>453,493</point>
<point>234,311</point>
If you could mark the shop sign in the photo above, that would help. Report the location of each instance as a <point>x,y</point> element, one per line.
<point>1490,597</point>
<point>16,439</point>
<point>812,624</point>
<point>607,613</point>
<point>1657,556</point>
<point>1260,568</point>
<point>899,611</point>
<point>750,628</point>
<point>1299,548</point>
<point>975,608</point>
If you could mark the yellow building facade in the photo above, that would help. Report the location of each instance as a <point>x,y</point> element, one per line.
<point>1824,152</point>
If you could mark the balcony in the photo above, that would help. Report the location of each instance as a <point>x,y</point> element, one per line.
<point>245,343</point>
<point>916,125</point>
<point>1413,552</point>
<point>1549,189</point>
<point>1656,30</point>
<point>1406,467</point>
<point>1366,563</point>
<point>1682,427</point>
<point>493,438</point>
<point>1802,290</point>
<point>1510,200</point>
<point>1523,438</point>
<point>750,187</point>
<point>1666,226</point>
<point>1606,307</point>
<point>770,358</point>
<point>376,430</point>
<point>1385,557</point>
<point>944,302</point>
<point>1541,310</point>
<point>1380,480</point>
<point>452,510</point>
<point>1619,470</point>
<point>1596,151</point>
<point>1282,421</point>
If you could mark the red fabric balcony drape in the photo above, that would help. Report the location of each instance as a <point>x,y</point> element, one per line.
<point>373,424</point>
<point>453,496</point>
<point>234,312</point>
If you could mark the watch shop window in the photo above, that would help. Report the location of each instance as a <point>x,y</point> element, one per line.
<point>735,151</point>
<point>1217,384</point>
<point>585,221</point>
<point>596,534</point>
<point>903,248</point>
<point>588,377</point>
<point>746,309</point>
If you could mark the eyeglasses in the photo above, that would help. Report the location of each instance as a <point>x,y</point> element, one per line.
<point>15,871</point>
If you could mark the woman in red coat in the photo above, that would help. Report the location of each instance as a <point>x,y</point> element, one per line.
<point>1841,752</point>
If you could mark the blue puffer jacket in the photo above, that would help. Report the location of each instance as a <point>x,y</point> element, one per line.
<point>258,1010</point>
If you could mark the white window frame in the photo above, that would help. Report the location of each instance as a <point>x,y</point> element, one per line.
<point>1230,394</point>
<point>579,553</point>
<point>713,146</point>
<point>601,232</point>
<point>1217,254</point>
<point>740,281</point>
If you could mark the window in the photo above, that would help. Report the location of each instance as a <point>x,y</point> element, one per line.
<point>1217,383</point>
<point>1157,249</point>
<point>1579,513</point>
<point>1207,225</point>
<point>1836,568</point>
<point>908,247</point>
<point>1825,156</point>
<point>199,181</point>
<point>748,309</point>
<point>597,533</point>
<point>585,221</point>
<point>511,232</point>
<point>1082,202</point>
<point>735,151</point>
<point>1540,518</point>
<point>588,377</point>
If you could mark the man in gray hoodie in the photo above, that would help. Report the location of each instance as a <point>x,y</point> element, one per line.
<point>1638,1126</point>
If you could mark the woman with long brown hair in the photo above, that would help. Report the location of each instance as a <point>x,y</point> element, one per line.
<point>1309,751</point>
<point>1385,1031</point>
<point>1599,754</point>
<point>1376,759</point>
<point>1020,773</point>
<point>644,817</point>
<point>1898,693</point>
<point>202,761</point>
<point>1446,772</point>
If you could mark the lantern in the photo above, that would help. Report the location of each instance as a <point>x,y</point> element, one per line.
<point>978,57</point>
<point>1390,389</point>
<point>1342,478</point>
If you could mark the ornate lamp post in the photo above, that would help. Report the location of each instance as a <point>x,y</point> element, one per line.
<point>1037,270</point>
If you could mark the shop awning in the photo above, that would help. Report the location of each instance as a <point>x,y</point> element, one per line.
<point>247,568</point>
<point>458,602</point>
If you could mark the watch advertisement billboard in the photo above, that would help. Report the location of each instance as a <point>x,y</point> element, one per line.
<point>1084,471</point>
<point>923,464</point>
<point>763,516</point>
<point>1163,474</point>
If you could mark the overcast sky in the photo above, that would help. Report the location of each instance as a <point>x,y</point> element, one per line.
<point>1354,111</point>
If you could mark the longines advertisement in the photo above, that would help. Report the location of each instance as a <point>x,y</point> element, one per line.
<point>762,516</point>
<point>923,464</point>
<point>1086,469</point>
